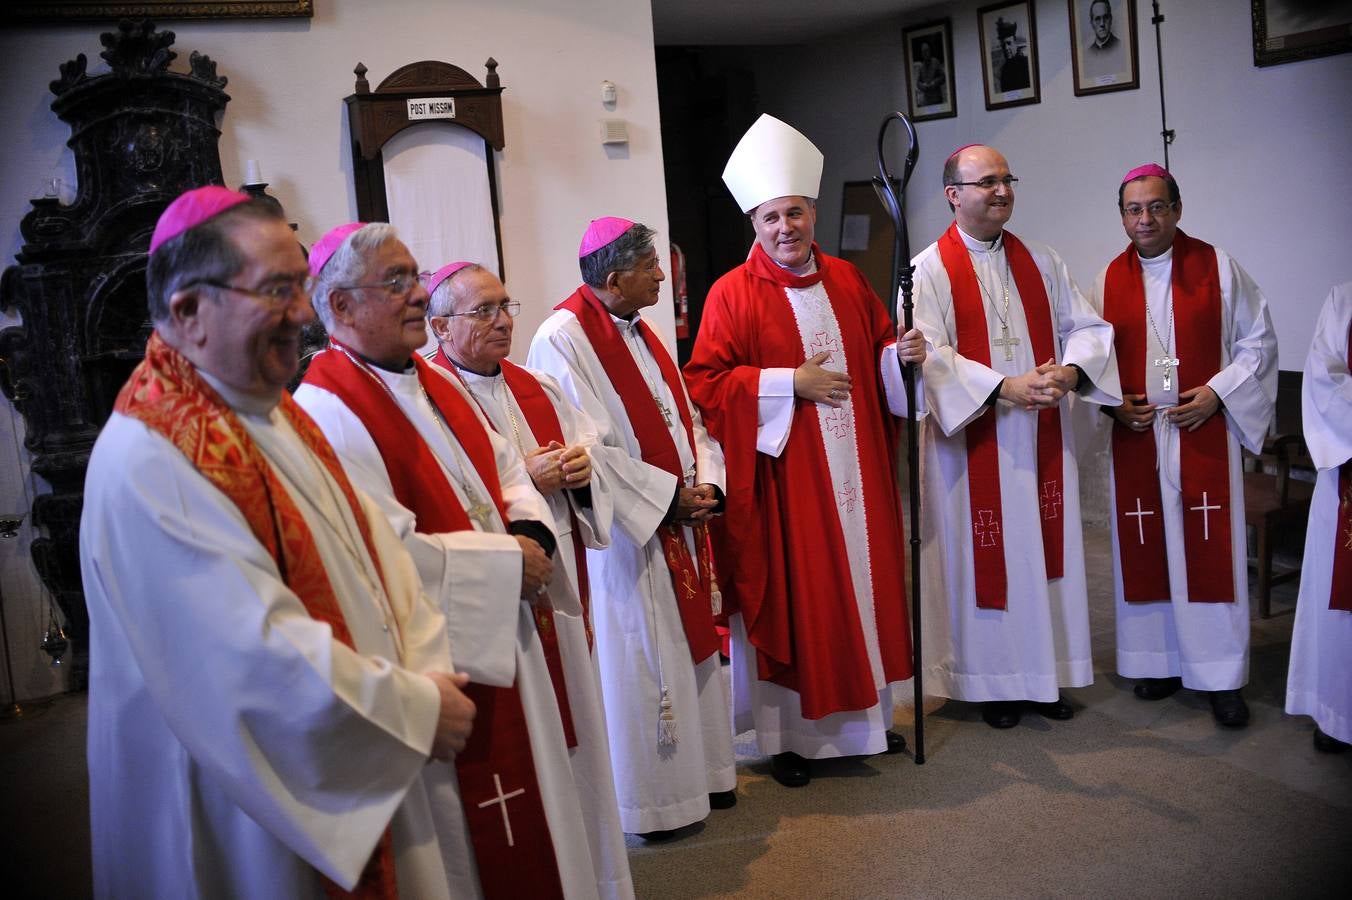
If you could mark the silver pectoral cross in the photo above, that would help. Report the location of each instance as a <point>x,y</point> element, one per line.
<point>1168,365</point>
<point>1004,340</point>
<point>666,411</point>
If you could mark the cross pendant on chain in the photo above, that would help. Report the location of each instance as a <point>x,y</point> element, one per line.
<point>480,512</point>
<point>1004,340</point>
<point>666,412</point>
<point>1168,364</point>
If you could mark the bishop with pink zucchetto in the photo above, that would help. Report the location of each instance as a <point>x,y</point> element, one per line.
<point>1198,360</point>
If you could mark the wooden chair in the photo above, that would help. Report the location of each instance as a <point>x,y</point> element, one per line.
<point>1276,504</point>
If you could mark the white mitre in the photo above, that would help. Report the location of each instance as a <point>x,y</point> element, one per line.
<point>772,160</point>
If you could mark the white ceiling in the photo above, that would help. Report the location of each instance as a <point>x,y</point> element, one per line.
<point>741,22</point>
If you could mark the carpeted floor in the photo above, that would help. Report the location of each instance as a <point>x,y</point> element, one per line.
<point>1129,799</point>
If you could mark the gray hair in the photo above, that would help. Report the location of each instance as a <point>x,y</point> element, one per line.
<point>443,298</point>
<point>619,255</point>
<point>346,266</point>
<point>204,252</point>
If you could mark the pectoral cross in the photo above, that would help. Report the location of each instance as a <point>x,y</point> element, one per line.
<point>1004,340</point>
<point>1168,365</point>
<point>666,412</point>
<point>480,512</point>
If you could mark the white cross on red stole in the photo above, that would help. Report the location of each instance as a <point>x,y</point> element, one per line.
<point>1140,514</point>
<point>986,528</point>
<point>1205,509</point>
<point>1051,500</point>
<point>502,799</point>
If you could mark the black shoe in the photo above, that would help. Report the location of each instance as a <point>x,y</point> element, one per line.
<point>1325,743</point>
<point>722,799</point>
<point>1229,708</point>
<point>1157,688</point>
<point>790,769</point>
<point>895,744</point>
<point>1001,713</point>
<point>1057,709</point>
<point>656,837</point>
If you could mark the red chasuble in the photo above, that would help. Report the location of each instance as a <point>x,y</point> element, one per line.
<point>983,453</point>
<point>1341,595</point>
<point>168,396</point>
<point>690,584</point>
<point>781,553</point>
<point>497,761</point>
<point>1203,454</point>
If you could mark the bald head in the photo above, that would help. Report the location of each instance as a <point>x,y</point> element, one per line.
<point>980,190</point>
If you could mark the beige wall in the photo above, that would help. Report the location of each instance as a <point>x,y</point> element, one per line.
<point>287,79</point>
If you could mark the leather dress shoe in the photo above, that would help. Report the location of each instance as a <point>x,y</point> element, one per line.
<point>1229,709</point>
<point>722,799</point>
<point>1057,709</point>
<point>790,769</point>
<point>1157,688</point>
<point>656,837</point>
<point>895,744</point>
<point>1326,743</point>
<point>1001,713</point>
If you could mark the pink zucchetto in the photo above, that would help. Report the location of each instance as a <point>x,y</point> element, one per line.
<point>192,208</point>
<point>443,273</point>
<point>1147,170</point>
<point>326,246</point>
<point>600,232</point>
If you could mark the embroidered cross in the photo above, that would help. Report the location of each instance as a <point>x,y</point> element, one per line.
<point>1051,500</point>
<point>837,421</point>
<point>1004,340</point>
<point>1167,363</point>
<point>848,496</point>
<point>1140,514</point>
<point>480,512</point>
<point>823,342</point>
<point>986,528</point>
<point>689,585</point>
<point>502,799</point>
<point>1206,517</point>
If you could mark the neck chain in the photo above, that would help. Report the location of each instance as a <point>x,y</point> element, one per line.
<point>1002,315</point>
<point>647,374</point>
<point>1150,317</point>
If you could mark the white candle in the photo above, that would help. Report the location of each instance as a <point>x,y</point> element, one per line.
<point>252,174</point>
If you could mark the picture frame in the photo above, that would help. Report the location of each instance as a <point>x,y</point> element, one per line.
<point>1009,60</point>
<point>35,11</point>
<point>1103,50</point>
<point>927,51</point>
<point>1288,30</point>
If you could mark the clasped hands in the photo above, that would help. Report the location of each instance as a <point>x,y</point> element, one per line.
<point>1040,388</point>
<point>695,504</point>
<point>1196,405</point>
<point>556,467</point>
<point>820,385</point>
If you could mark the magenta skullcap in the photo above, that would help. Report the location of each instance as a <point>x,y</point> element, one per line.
<point>1147,170</point>
<point>443,273</point>
<point>328,245</point>
<point>191,209</point>
<point>601,232</point>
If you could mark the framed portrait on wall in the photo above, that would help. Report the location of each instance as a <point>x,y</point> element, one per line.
<point>1008,54</point>
<point>1288,30</point>
<point>928,52</point>
<point>1103,46</point>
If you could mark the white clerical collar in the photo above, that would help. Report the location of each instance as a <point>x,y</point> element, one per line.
<point>1164,259</point>
<point>976,244</point>
<point>806,269</point>
<point>472,378</point>
<point>625,324</point>
<point>239,401</point>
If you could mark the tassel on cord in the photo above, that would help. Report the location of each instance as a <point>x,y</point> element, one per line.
<point>666,721</point>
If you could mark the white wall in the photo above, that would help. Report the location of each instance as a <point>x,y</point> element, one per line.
<point>287,79</point>
<point>1263,156</point>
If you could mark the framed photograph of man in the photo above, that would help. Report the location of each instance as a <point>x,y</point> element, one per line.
<point>1103,46</point>
<point>1288,30</point>
<point>928,50</point>
<point>1008,54</point>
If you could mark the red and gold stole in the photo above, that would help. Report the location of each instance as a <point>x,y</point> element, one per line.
<point>1203,454</point>
<point>983,459</point>
<point>1340,595</point>
<point>168,396</point>
<point>691,584</point>
<point>496,767</point>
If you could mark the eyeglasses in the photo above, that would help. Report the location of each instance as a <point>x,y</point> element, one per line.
<point>396,286</point>
<point>488,312</point>
<point>988,183</point>
<point>279,293</point>
<point>649,267</point>
<point>1156,209</point>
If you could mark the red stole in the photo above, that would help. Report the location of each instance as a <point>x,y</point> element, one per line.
<point>168,396</point>
<point>1340,595</point>
<point>691,585</point>
<point>1203,454</point>
<point>496,762</point>
<point>983,453</point>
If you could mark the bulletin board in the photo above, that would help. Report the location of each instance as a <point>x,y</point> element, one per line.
<point>866,236</point>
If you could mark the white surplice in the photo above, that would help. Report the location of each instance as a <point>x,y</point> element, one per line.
<point>640,642</point>
<point>216,702</point>
<point>1205,643</point>
<point>1319,683</point>
<point>1040,642</point>
<point>591,757</point>
<point>476,576</point>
